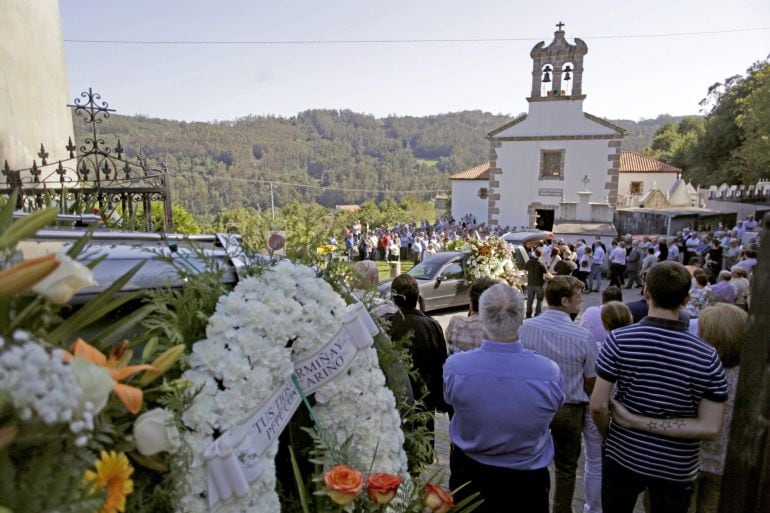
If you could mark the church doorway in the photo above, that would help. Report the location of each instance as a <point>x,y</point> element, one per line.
<point>544,219</point>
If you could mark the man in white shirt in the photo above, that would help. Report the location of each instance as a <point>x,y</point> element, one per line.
<point>617,264</point>
<point>691,243</point>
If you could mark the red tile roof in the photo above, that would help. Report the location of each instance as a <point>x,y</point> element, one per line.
<point>632,162</point>
<point>475,173</point>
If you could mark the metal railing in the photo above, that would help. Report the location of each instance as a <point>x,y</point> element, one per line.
<point>98,180</point>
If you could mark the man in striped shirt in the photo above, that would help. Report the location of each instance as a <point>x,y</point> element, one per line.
<point>660,371</point>
<point>555,336</point>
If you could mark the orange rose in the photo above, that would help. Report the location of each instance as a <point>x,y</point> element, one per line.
<point>437,499</point>
<point>381,488</point>
<point>343,484</point>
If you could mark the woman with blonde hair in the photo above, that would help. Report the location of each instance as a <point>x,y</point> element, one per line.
<point>614,315</point>
<point>723,326</point>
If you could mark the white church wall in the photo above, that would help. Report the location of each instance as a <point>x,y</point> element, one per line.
<point>33,94</point>
<point>466,200</point>
<point>555,117</point>
<point>520,184</point>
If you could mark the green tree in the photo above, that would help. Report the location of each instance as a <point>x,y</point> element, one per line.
<point>731,148</point>
<point>184,221</point>
<point>753,118</point>
<point>674,143</point>
<point>251,224</point>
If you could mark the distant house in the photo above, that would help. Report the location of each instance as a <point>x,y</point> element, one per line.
<point>640,174</point>
<point>470,191</point>
<point>347,208</point>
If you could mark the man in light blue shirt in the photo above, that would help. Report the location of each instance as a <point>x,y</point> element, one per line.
<point>595,278</point>
<point>504,399</point>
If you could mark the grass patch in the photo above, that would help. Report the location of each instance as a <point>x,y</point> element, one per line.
<point>431,163</point>
<point>384,268</point>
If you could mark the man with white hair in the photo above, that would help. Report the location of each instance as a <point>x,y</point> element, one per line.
<point>723,288</point>
<point>504,399</point>
<point>673,250</point>
<point>741,284</point>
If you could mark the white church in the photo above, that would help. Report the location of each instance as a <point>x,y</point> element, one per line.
<point>554,165</point>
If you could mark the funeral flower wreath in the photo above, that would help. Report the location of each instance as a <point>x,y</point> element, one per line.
<point>491,257</point>
<point>245,358</point>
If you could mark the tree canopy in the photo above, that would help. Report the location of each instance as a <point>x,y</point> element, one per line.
<point>732,144</point>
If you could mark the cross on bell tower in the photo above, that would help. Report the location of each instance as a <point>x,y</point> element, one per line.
<point>557,69</point>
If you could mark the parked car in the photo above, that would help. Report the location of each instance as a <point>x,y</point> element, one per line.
<point>124,250</point>
<point>528,239</point>
<point>442,281</point>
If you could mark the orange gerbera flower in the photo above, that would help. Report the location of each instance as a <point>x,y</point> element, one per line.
<point>113,473</point>
<point>131,397</point>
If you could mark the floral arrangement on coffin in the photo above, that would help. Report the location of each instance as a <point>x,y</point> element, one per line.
<point>491,257</point>
<point>284,314</point>
<point>70,437</point>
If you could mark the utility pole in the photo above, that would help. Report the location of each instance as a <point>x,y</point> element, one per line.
<point>272,203</point>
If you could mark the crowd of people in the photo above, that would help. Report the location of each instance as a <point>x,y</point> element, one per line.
<point>412,241</point>
<point>720,265</point>
<point>644,390</point>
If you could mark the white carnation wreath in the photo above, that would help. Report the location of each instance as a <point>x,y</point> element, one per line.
<point>245,358</point>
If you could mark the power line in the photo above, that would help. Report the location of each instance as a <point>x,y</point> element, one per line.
<point>327,188</point>
<point>398,41</point>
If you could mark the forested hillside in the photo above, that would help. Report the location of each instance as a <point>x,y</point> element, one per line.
<point>336,154</point>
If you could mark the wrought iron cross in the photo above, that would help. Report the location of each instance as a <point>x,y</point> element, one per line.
<point>92,112</point>
<point>560,25</point>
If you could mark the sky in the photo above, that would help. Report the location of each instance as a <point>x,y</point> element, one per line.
<point>625,77</point>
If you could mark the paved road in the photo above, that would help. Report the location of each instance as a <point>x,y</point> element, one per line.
<point>442,422</point>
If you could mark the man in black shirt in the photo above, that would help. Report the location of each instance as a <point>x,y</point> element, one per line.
<point>537,273</point>
<point>428,347</point>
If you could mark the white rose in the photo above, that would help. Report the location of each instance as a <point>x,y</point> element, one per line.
<point>154,432</point>
<point>95,381</point>
<point>65,281</point>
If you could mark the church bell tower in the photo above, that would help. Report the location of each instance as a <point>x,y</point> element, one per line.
<point>557,69</point>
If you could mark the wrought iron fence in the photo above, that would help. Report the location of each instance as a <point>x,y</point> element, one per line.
<point>98,179</point>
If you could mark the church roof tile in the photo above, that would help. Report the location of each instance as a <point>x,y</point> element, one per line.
<point>632,162</point>
<point>475,173</point>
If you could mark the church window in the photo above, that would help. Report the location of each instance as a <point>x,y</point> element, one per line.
<point>483,193</point>
<point>552,164</point>
<point>636,188</point>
